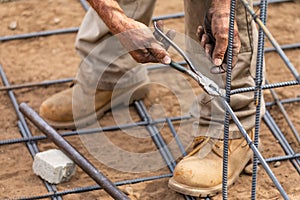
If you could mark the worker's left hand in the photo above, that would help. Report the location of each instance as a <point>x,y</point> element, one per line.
<point>214,35</point>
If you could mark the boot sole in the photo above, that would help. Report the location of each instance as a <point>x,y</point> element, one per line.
<point>140,91</point>
<point>206,192</point>
<point>196,192</point>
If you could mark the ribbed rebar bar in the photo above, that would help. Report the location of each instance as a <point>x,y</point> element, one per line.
<point>283,47</point>
<point>281,158</point>
<point>268,86</point>
<point>257,3</point>
<point>228,89</point>
<point>284,101</point>
<point>39,34</point>
<point>258,92</point>
<point>150,67</point>
<point>175,135</point>
<point>29,85</point>
<point>90,131</point>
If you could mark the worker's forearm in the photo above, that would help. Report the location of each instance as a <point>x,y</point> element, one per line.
<point>112,14</point>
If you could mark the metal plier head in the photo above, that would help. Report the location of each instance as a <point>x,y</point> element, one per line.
<point>209,86</point>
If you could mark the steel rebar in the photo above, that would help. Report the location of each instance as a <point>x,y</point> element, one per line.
<point>264,87</point>
<point>175,135</point>
<point>283,47</point>
<point>227,98</point>
<point>281,158</point>
<point>79,159</point>
<point>257,3</point>
<point>170,16</point>
<point>258,92</point>
<point>84,4</point>
<point>39,34</point>
<point>90,131</point>
<point>29,85</point>
<point>284,101</point>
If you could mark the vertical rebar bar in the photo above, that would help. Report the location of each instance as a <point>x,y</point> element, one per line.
<point>228,88</point>
<point>258,92</point>
<point>175,135</point>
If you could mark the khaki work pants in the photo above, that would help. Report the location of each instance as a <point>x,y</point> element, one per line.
<point>98,48</point>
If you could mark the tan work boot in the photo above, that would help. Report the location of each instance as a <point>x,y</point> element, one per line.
<point>78,103</point>
<point>200,173</point>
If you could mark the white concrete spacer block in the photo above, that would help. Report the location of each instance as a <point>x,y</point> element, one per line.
<point>53,166</point>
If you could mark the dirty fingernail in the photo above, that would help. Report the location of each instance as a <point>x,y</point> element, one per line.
<point>217,70</point>
<point>217,61</point>
<point>166,60</point>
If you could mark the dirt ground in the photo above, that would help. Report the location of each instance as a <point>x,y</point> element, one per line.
<point>54,57</point>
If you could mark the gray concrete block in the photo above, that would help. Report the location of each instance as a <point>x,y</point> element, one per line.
<point>53,166</point>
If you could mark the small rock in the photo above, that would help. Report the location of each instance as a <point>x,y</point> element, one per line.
<point>277,164</point>
<point>128,190</point>
<point>249,169</point>
<point>56,20</point>
<point>13,25</point>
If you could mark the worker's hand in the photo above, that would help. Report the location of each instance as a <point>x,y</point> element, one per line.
<point>214,35</point>
<point>138,39</point>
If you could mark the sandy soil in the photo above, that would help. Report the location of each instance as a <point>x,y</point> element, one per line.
<point>54,57</point>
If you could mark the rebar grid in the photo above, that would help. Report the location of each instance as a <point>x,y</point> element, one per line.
<point>291,155</point>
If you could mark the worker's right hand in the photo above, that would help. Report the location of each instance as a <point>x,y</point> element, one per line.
<point>140,42</point>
